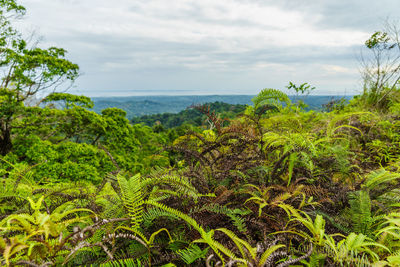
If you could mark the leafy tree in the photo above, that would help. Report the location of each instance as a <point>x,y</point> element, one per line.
<point>28,70</point>
<point>381,67</point>
<point>189,116</point>
<point>303,89</point>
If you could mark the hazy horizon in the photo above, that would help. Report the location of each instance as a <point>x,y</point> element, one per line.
<point>202,94</point>
<point>125,47</point>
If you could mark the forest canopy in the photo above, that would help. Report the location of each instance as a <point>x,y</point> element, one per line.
<point>266,184</point>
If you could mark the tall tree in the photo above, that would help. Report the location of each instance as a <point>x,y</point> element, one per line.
<point>26,69</point>
<point>381,66</point>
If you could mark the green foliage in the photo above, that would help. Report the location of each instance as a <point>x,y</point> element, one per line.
<point>379,178</point>
<point>69,100</point>
<point>381,70</point>
<point>277,186</point>
<point>360,210</point>
<point>235,215</point>
<point>298,154</point>
<point>189,116</point>
<point>269,100</point>
<point>27,71</point>
<point>248,253</point>
<point>378,39</point>
<point>192,253</point>
<point>11,5</point>
<point>67,161</point>
<point>122,262</point>
<point>132,198</point>
<point>353,248</point>
<point>38,234</point>
<point>303,88</point>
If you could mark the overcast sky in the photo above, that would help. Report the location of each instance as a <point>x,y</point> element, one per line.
<point>143,47</point>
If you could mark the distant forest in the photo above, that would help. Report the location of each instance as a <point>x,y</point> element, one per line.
<point>191,116</point>
<point>136,106</point>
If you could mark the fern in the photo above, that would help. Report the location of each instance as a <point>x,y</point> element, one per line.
<point>390,199</point>
<point>132,198</point>
<point>250,254</point>
<point>335,222</point>
<point>270,97</point>
<point>360,211</point>
<point>376,178</point>
<point>154,213</point>
<point>233,214</point>
<point>82,257</point>
<point>332,127</point>
<point>206,237</point>
<point>181,186</point>
<point>355,248</point>
<point>389,230</point>
<point>123,263</point>
<point>192,253</point>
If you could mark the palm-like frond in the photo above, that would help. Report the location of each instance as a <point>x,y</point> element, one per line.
<point>206,237</point>
<point>379,177</point>
<point>233,214</point>
<point>131,194</point>
<point>180,185</point>
<point>192,253</point>
<point>353,248</point>
<point>152,214</point>
<point>271,97</point>
<point>333,127</point>
<point>360,211</point>
<point>123,262</point>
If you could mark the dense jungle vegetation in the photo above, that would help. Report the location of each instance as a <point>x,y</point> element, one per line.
<point>140,108</point>
<point>275,185</point>
<point>194,116</point>
<point>191,115</point>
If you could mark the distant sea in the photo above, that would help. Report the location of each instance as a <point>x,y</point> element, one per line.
<point>154,104</point>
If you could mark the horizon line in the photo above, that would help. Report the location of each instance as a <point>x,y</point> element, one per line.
<point>172,95</point>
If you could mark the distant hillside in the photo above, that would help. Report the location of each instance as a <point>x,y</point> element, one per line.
<point>190,116</point>
<point>146,105</point>
<point>136,106</point>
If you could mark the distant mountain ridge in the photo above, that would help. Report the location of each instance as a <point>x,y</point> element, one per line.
<point>146,105</point>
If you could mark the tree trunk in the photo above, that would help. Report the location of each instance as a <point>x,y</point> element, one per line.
<point>5,142</point>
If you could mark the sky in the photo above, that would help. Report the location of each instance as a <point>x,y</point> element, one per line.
<point>184,47</point>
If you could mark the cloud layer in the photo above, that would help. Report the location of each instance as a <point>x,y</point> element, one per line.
<point>130,47</point>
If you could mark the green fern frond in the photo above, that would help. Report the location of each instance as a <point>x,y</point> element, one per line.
<point>360,211</point>
<point>243,246</point>
<point>181,185</point>
<point>267,253</point>
<point>123,262</point>
<point>271,97</point>
<point>376,178</point>
<point>334,221</point>
<point>113,208</point>
<point>154,213</point>
<point>206,237</point>
<point>233,214</point>
<point>179,214</point>
<point>132,198</point>
<point>192,253</point>
<point>332,125</point>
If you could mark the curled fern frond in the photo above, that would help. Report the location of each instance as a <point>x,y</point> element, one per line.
<point>270,97</point>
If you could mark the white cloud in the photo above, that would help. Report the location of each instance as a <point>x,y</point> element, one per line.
<point>228,24</point>
<point>330,69</point>
<point>192,37</point>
